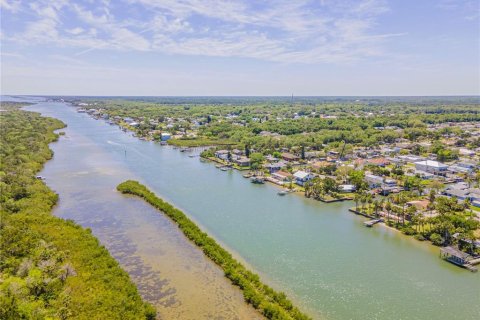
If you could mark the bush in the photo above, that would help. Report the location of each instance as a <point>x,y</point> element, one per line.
<point>436,239</point>
<point>273,305</point>
<point>419,237</point>
<point>409,231</point>
<point>50,268</point>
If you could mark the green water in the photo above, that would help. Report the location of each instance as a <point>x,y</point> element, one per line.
<point>319,254</point>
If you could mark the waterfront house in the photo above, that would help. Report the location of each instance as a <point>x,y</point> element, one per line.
<point>282,176</point>
<point>242,161</point>
<point>431,166</point>
<point>455,256</point>
<point>301,177</point>
<point>221,154</point>
<point>276,166</point>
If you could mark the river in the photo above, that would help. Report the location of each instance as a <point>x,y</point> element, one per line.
<point>321,255</point>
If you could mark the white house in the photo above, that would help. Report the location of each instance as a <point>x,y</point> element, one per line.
<point>301,177</point>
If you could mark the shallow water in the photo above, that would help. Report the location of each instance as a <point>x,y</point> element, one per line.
<point>319,254</point>
<point>168,270</point>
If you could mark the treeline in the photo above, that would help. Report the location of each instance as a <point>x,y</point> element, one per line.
<point>257,109</point>
<point>50,268</point>
<point>272,304</point>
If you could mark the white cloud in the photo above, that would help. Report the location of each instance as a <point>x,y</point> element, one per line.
<point>75,31</point>
<point>284,30</point>
<point>12,6</point>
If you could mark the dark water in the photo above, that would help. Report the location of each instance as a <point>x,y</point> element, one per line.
<point>320,254</point>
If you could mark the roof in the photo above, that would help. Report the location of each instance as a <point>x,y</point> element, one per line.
<point>301,174</point>
<point>431,163</point>
<point>347,187</point>
<point>419,204</point>
<point>283,174</point>
<point>320,164</point>
<point>457,193</point>
<point>378,161</point>
<point>289,155</point>
<point>455,252</point>
<point>275,165</point>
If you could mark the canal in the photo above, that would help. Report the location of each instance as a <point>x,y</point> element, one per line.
<point>319,254</point>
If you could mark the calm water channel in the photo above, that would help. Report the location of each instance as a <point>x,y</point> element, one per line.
<point>319,254</point>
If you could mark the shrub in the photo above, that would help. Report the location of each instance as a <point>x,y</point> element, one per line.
<point>436,239</point>
<point>272,304</point>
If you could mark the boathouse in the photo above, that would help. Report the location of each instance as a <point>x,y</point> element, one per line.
<point>454,256</point>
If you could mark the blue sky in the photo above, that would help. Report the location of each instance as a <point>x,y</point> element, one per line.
<point>218,47</point>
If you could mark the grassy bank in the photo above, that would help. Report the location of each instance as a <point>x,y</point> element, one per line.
<point>50,268</point>
<point>272,304</point>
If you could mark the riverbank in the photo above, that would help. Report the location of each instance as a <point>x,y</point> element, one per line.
<point>51,267</point>
<point>297,245</point>
<point>271,304</point>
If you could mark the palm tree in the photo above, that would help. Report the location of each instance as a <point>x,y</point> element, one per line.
<point>357,200</point>
<point>412,213</point>
<point>388,207</point>
<point>363,200</point>
<point>369,201</point>
<point>376,206</point>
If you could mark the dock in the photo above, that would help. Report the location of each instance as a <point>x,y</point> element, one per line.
<point>459,258</point>
<point>371,223</point>
<point>257,179</point>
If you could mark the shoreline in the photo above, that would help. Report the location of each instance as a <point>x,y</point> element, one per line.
<point>221,297</point>
<point>273,305</point>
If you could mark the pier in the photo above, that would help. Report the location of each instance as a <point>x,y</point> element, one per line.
<point>371,223</point>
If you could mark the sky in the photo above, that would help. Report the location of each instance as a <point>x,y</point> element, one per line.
<point>243,47</point>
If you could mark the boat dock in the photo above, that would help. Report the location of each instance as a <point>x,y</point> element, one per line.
<point>371,223</point>
<point>459,258</point>
<point>257,179</point>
